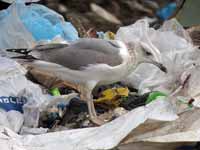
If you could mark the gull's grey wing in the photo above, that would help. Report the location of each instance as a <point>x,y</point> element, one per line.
<point>104,46</point>
<point>49,46</point>
<point>78,56</point>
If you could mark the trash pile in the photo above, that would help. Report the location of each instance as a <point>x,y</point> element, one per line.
<point>110,15</point>
<point>39,110</point>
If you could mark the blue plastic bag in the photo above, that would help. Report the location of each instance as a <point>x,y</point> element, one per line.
<point>12,103</point>
<point>166,12</point>
<point>45,24</point>
<point>22,26</point>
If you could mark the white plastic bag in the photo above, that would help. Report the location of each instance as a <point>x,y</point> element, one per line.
<point>176,53</point>
<point>11,119</point>
<point>33,131</point>
<point>13,32</point>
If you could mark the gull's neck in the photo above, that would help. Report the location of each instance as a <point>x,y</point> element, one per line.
<point>132,62</point>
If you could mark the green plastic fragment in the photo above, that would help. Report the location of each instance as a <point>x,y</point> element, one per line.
<point>153,96</point>
<point>185,101</point>
<point>190,105</point>
<point>55,92</point>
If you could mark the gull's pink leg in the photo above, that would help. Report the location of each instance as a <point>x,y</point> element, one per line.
<point>86,94</point>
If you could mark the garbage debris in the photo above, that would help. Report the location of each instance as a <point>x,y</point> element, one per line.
<point>73,113</point>
<point>36,23</point>
<point>104,14</point>
<point>153,96</point>
<point>11,119</point>
<point>119,112</point>
<point>12,103</point>
<point>134,101</point>
<point>55,92</point>
<point>116,97</point>
<point>76,115</point>
<point>108,35</point>
<point>53,115</point>
<point>92,33</point>
<point>167,12</point>
<point>43,101</point>
<point>89,137</point>
<point>33,131</point>
<point>111,96</point>
<point>78,69</point>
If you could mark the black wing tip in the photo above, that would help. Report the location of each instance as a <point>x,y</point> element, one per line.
<point>20,50</point>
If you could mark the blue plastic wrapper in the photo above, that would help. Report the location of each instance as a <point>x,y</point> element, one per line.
<point>12,103</point>
<point>166,12</point>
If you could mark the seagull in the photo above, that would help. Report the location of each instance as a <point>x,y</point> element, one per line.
<point>88,62</point>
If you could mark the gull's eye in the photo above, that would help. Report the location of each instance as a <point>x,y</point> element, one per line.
<point>147,53</point>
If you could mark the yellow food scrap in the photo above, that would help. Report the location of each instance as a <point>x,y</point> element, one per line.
<point>112,96</point>
<point>109,35</point>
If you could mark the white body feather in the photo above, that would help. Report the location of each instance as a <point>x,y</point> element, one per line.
<point>99,73</point>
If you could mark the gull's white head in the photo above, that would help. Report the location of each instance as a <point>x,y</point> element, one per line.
<point>140,54</point>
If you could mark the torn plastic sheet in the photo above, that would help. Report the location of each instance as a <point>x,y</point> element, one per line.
<point>35,131</point>
<point>88,138</point>
<point>184,129</point>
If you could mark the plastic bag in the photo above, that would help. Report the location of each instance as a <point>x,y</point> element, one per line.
<point>45,24</point>
<point>23,26</point>
<point>14,87</point>
<point>167,12</point>
<point>33,131</point>
<point>11,119</point>
<point>16,120</point>
<point>176,53</point>
<point>11,36</point>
